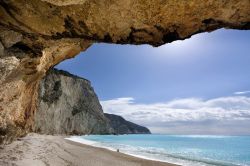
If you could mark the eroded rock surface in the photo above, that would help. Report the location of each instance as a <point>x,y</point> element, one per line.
<point>37,34</point>
<point>67,104</point>
<point>21,70</point>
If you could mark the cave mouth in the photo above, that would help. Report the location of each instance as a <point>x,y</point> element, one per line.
<point>197,76</point>
<point>42,33</point>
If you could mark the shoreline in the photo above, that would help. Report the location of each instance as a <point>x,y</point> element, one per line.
<point>157,162</point>
<point>90,143</point>
<point>48,150</point>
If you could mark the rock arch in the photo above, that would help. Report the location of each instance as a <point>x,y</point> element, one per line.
<point>36,35</point>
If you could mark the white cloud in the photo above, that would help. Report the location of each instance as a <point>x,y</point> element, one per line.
<point>241,92</point>
<point>183,112</point>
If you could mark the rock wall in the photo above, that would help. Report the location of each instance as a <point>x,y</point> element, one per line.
<point>21,69</point>
<point>122,126</point>
<point>67,104</point>
<point>37,34</point>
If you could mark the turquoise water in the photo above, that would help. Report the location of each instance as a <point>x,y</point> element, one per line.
<point>180,149</point>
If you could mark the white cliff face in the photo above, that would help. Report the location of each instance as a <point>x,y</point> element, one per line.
<point>68,104</point>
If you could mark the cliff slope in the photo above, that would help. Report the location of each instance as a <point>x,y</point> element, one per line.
<point>67,104</point>
<point>122,126</point>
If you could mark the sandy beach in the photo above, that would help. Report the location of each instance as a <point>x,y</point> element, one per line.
<point>47,150</point>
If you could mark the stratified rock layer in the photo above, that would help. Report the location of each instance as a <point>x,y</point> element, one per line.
<point>35,35</point>
<point>67,104</point>
<point>122,126</point>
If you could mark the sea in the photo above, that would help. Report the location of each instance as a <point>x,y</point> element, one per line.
<point>187,150</point>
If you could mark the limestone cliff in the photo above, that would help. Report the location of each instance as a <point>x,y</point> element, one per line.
<point>122,126</point>
<point>35,35</point>
<point>67,104</point>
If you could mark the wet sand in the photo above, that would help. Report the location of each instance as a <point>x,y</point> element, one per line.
<point>47,150</point>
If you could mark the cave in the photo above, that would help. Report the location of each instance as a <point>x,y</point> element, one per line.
<point>40,34</point>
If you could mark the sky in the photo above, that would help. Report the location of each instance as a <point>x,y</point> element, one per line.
<point>197,86</point>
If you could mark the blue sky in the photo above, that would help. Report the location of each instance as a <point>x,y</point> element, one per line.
<point>206,68</point>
